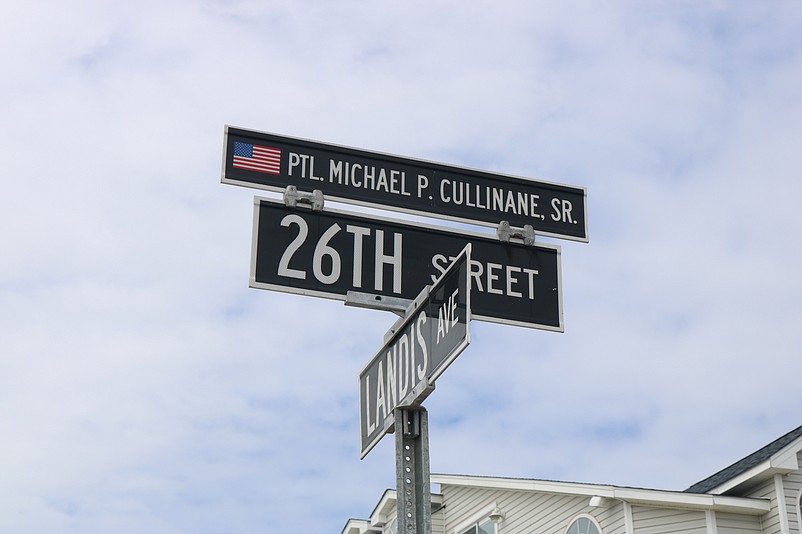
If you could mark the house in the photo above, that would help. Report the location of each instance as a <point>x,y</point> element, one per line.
<point>759,494</point>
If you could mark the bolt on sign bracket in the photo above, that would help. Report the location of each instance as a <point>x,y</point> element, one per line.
<point>292,197</point>
<point>505,232</point>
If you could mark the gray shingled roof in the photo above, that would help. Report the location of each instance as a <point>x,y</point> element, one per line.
<point>743,465</point>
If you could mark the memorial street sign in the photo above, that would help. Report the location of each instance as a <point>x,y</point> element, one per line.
<point>330,253</point>
<point>433,332</point>
<point>273,162</point>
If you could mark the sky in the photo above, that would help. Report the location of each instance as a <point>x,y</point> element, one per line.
<point>144,387</point>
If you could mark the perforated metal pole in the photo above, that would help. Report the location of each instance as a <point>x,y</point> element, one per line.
<point>413,485</point>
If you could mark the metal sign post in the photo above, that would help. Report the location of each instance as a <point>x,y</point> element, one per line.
<point>399,377</point>
<point>413,493</point>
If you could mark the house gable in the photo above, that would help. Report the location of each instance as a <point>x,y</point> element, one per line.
<point>781,456</point>
<point>549,507</point>
<point>759,494</point>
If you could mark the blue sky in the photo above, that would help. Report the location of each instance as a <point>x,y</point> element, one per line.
<point>145,387</point>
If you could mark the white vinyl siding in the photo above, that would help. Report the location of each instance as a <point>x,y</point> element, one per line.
<point>462,503</point>
<point>793,492</point>
<point>771,521</point>
<point>527,512</point>
<point>610,517</point>
<point>737,524</point>
<point>439,521</point>
<point>649,520</point>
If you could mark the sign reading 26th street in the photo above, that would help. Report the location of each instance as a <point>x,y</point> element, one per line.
<point>329,253</point>
<point>272,162</point>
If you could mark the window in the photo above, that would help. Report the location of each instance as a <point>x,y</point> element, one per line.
<point>584,525</point>
<point>486,526</point>
<point>392,527</point>
<point>482,521</point>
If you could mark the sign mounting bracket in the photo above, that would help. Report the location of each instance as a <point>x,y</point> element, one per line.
<point>292,197</point>
<point>373,301</point>
<point>504,232</point>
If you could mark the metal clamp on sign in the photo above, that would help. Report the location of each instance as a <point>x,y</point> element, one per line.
<point>410,422</point>
<point>505,232</point>
<point>292,197</point>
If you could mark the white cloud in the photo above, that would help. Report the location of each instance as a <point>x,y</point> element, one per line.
<point>146,388</point>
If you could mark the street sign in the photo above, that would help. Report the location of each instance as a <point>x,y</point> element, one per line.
<point>331,253</point>
<point>273,162</point>
<point>433,332</point>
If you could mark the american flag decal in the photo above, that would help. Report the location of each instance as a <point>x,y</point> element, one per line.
<point>256,158</point>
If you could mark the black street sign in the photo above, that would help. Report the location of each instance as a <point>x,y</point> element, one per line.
<point>273,162</point>
<point>329,253</point>
<point>433,332</point>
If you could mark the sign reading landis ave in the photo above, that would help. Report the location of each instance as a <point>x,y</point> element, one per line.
<point>434,331</point>
<point>272,162</point>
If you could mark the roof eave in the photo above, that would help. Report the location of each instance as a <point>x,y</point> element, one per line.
<point>782,463</point>
<point>678,499</point>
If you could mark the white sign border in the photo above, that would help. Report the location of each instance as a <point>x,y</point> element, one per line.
<point>459,231</point>
<point>399,209</point>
